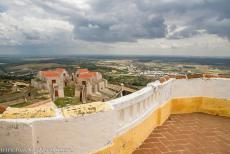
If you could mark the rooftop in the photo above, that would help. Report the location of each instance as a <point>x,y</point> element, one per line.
<point>60,70</point>
<point>52,73</point>
<point>48,74</point>
<point>83,70</point>
<point>85,73</point>
<point>88,75</point>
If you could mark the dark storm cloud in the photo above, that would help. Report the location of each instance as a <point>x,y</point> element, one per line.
<point>210,15</point>
<point>110,21</point>
<point>120,29</point>
<point>130,20</point>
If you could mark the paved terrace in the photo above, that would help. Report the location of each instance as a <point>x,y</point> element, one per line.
<point>194,133</point>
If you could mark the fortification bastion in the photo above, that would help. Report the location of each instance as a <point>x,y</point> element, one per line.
<point>116,126</point>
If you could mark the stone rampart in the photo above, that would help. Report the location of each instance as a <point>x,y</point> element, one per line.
<point>120,125</point>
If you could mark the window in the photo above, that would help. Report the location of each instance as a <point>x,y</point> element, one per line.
<point>56,93</point>
<point>53,81</point>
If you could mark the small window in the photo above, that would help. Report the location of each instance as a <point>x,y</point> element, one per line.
<point>53,81</point>
<point>56,93</point>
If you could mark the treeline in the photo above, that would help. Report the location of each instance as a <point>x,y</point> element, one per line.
<point>101,69</point>
<point>15,77</point>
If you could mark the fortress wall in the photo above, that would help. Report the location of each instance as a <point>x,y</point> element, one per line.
<point>214,88</point>
<point>210,96</point>
<point>138,114</point>
<point>187,88</point>
<point>162,99</point>
<point>127,124</point>
<point>217,88</point>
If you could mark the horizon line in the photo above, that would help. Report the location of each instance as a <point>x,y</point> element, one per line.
<point>106,55</point>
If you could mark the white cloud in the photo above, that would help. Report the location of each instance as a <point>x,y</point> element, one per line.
<point>29,29</point>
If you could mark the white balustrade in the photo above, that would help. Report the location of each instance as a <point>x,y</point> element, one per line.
<point>89,133</point>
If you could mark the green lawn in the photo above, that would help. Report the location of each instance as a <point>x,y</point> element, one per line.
<point>62,102</point>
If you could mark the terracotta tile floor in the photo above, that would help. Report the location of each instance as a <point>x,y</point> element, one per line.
<point>194,133</point>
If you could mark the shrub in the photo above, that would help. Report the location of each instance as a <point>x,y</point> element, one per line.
<point>2,108</point>
<point>69,91</point>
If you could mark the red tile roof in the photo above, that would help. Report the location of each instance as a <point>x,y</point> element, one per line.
<point>83,70</point>
<point>52,73</point>
<point>87,75</point>
<point>60,70</point>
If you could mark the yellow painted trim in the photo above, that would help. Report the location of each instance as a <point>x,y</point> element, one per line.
<point>214,106</point>
<point>130,140</point>
<point>220,107</point>
<point>185,105</point>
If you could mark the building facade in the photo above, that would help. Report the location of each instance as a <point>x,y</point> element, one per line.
<point>52,80</point>
<point>88,83</point>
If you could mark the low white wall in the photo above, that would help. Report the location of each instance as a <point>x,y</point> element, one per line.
<point>81,135</point>
<point>215,88</point>
<point>134,108</point>
<point>14,135</point>
<point>92,132</point>
<point>77,135</point>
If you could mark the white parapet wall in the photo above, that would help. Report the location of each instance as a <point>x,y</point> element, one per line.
<point>92,132</point>
<point>214,88</point>
<point>81,134</point>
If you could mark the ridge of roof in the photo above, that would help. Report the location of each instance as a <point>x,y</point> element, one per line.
<point>52,73</point>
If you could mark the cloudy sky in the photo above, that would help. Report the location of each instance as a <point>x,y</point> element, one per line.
<point>138,27</point>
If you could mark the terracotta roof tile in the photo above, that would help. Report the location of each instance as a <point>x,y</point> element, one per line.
<point>87,75</point>
<point>53,73</point>
<point>50,74</point>
<point>83,70</point>
<point>60,70</point>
